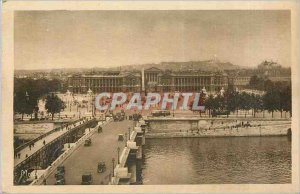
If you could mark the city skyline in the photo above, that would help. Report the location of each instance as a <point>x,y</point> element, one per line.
<point>76,39</point>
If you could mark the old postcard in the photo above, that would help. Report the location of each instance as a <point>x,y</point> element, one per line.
<point>150,97</point>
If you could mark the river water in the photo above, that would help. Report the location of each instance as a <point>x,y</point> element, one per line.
<point>228,160</point>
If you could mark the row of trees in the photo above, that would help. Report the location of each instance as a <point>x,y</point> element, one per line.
<point>276,98</point>
<point>27,93</point>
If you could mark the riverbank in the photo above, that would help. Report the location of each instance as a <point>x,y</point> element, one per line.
<point>216,128</point>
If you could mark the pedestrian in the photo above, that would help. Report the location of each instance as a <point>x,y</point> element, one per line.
<point>44,142</point>
<point>44,182</point>
<point>19,155</point>
<point>26,156</point>
<point>100,129</point>
<point>29,147</point>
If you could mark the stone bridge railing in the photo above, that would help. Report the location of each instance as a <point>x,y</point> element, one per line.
<point>48,171</point>
<point>18,149</point>
<point>121,171</point>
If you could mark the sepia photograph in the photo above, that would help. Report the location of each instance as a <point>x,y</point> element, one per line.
<point>151,97</point>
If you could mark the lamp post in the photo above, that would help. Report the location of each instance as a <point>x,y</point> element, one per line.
<point>125,139</point>
<point>173,110</point>
<point>68,93</point>
<point>27,99</point>
<point>128,133</point>
<point>93,105</point>
<point>118,155</point>
<point>113,163</point>
<point>27,96</point>
<point>35,176</point>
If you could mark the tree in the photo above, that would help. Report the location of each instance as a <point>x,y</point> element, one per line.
<point>221,102</point>
<point>24,104</point>
<point>54,104</point>
<point>232,101</point>
<point>269,85</point>
<point>256,83</point>
<point>287,100</point>
<point>245,102</point>
<point>35,89</point>
<point>271,100</point>
<point>256,103</point>
<point>209,103</point>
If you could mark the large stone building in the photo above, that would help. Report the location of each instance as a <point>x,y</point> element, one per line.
<point>274,71</point>
<point>157,80</point>
<point>267,70</point>
<point>105,82</point>
<point>149,80</point>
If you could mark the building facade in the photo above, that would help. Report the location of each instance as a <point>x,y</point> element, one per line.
<point>116,82</point>
<point>149,80</point>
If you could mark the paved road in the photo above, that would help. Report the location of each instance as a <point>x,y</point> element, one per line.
<point>39,144</point>
<point>85,159</point>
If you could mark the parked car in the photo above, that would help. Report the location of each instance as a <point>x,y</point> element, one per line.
<point>121,137</point>
<point>158,113</point>
<point>60,180</point>
<point>86,179</point>
<point>101,167</point>
<point>60,171</point>
<point>123,113</point>
<point>118,116</point>
<point>219,113</point>
<point>88,142</point>
<point>61,168</point>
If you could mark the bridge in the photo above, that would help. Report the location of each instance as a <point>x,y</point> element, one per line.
<point>120,157</point>
<point>40,152</point>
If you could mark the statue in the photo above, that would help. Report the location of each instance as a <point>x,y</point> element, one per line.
<point>222,91</point>
<point>204,90</point>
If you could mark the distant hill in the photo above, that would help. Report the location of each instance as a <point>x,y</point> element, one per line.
<point>205,66</point>
<point>208,65</point>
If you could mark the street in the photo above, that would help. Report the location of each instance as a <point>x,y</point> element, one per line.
<point>85,159</point>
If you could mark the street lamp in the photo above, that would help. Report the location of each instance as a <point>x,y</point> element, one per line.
<point>128,133</point>
<point>26,96</point>
<point>173,110</point>
<point>125,139</point>
<point>27,99</point>
<point>118,155</point>
<point>113,163</point>
<point>68,93</point>
<point>35,169</point>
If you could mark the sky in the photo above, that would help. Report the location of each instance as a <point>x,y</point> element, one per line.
<point>76,39</point>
